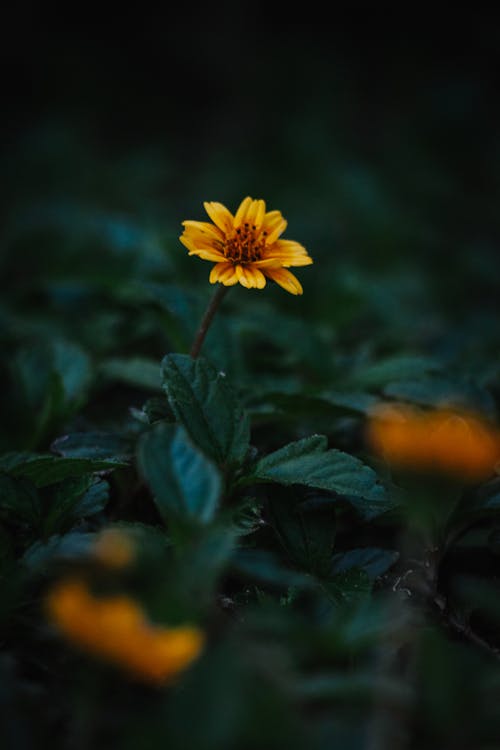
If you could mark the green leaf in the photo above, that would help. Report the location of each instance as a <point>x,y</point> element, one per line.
<point>19,499</point>
<point>137,372</point>
<point>397,367</point>
<point>99,446</point>
<point>373,560</point>
<point>347,586</point>
<point>73,500</point>
<point>156,409</point>
<point>309,463</point>
<point>291,453</point>
<point>262,566</point>
<point>185,483</point>
<point>68,548</point>
<point>308,535</point>
<point>352,402</point>
<point>44,470</point>
<point>205,404</point>
<point>444,393</point>
<point>72,365</point>
<point>358,688</point>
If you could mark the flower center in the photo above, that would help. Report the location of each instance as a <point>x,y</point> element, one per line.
<point>245,246</point>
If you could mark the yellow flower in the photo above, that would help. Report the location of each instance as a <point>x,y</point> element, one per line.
<point>442,441</point>
<point>246,247</point>
<point>117,630</point>
<point>113,549</point>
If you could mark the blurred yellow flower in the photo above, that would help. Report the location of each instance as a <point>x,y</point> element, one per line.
<point>442,441</point>
<point>113,549</point>
<point>246,247</point>
<point>117,630</point>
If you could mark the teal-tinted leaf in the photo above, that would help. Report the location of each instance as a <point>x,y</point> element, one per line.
<point>72,365</point>
<point>38,364</point>
<point>287,458</point>
<point>360,687</point>
<point>373,560</point>
<point>262,566</point>
<point>73,500</point>
<point>44,470</point>
<point>347,586</point>
<point>308,462</point>
<point>99,446</point>
<point>19,500</point>
<point>351,402</point>
<point>397,367</point>
<point>184,482</point>
<point>94,500</point>
<point>156,409</point>
<point>68,548</point>
<point>199,562</point>
<point>137,372</point>
<point>307,534</point>
<point>205,404</point>
<point>442,392</point>
<point>53,378</point>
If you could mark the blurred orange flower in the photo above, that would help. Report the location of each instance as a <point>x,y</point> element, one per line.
<point>246,247</point>
<point>442,441</point>
<point>113,549</point>
<point>117,629</point>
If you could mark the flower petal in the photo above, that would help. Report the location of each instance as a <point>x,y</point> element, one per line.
<point>257,277</point>
<point>242,278</point>
<point>267,263</point>
<point>288,253</point>
<point>276,232</point>
<point>255,214</point>
<point>242,211</point>
<point>204,254</point>
<point>203,228</point>
<point>218,270</point>
<point>229,277</point>
<point>271,220</point>
<point>220,215</point>
<point>285,279</point>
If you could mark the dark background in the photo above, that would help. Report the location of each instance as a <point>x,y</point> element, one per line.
<point>375,132</point>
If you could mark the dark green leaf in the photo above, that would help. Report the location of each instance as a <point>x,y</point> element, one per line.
<point>307,534</point>
<point>308,462</point>
<point>99,446</point>
<point>137,372</point>
<point>444,393</point>
<point>72,365</point>
<point>262,566</point>
<point>44,470</point>
<point>157,409</point>
<point>347,586</point>
<point>397,367</point>
<point>205,404</point>
<point>373,560</point>
<point>73,500</point>
<point>184,482</point>
<point>19,500</point>
<point>68,548</point>
<point>351,402</point>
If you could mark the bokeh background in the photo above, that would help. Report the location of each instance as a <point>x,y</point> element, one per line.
<point>376,134</point>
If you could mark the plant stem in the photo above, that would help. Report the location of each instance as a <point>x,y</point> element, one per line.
<point>212,308</point>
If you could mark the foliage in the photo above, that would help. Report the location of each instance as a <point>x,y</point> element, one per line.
<point>345,603</point>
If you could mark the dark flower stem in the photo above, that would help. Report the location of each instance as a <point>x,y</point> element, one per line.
<point>212,308</point>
